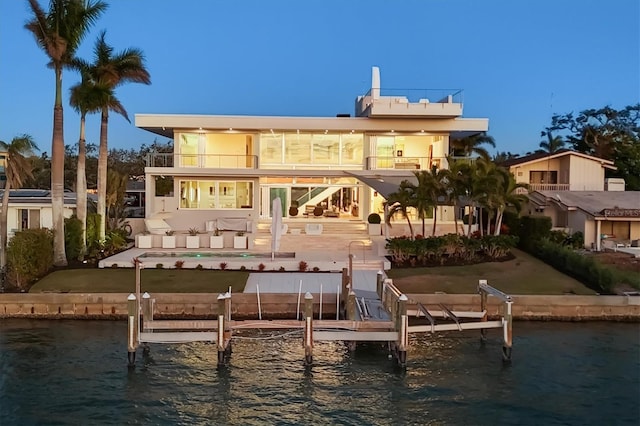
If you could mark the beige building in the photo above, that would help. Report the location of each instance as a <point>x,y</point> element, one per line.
<point>606,218</point>
<point>340,168</point>
<point>564,170</point>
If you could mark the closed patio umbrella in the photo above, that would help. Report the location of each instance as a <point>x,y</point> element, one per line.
<point>276,226</point>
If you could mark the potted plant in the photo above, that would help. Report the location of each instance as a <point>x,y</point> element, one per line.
<point>374,224</point>
<point>216,240</point>
<point>144,240</point>
<point>193,239</point>
<point>293,210</point>
<point>168,240</point>
<point>240,240</point>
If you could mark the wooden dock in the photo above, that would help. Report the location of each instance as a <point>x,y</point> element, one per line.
<point>363,316</point>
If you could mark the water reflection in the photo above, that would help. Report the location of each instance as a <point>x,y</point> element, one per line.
<point>65,372</point>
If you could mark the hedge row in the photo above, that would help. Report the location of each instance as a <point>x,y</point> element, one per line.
<point>449,249</point>
<point>578,265</point>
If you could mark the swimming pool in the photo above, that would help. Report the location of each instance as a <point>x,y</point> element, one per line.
<point>207,254</point>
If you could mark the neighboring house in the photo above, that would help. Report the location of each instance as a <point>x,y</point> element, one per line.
<point>606,218</point>
<point>31,209</point>
<point>564,170</point>
<point>235,166</point>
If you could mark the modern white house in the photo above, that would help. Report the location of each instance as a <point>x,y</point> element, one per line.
<point>338,168</point>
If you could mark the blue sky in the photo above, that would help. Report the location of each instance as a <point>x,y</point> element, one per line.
<point>517,61</point>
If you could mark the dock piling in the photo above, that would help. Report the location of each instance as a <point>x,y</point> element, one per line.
<point>351,315</point>
<point>308,328</point>
<point>483,308</point>
<point>133,317</point>
<point>379,281</point>
<point>221,325</point>
<point>508,333</point>
<point>403,330</point>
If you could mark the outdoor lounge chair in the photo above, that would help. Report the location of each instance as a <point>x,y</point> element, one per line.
<point>313,229</point>
<point>157,226</point>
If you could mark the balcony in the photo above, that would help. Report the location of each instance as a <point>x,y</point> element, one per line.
<point>543,187</point>
<point>410,103</point>
<point>548,187</point>
<point>213,161</point>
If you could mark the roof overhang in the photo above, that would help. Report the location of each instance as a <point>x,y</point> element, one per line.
<point>167,124</point>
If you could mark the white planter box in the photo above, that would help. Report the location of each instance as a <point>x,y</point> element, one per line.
<point>193,241</point>
<point>240,242</point>
<point>145,241</point>
<point>168,241</point>
<point>216,241</point>
<point>375,229</point>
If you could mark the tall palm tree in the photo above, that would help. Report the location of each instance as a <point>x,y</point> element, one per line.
<point>437,190</point>
<point>87,97</point>
<point>456,177</point>
<point>17,170</point>
<point>112,70</point>
<point>58,32</point>
<point>397,204</point>
<point>471,144</point>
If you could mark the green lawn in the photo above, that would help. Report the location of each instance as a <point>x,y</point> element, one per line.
<point>152,280</point>
<point>523,275</point>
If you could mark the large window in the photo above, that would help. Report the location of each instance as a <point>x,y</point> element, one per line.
<point>310,149</point>
<point>189,149</point>
<point>216,194</point>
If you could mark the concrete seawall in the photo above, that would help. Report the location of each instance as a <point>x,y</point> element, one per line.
<point>185,305</point>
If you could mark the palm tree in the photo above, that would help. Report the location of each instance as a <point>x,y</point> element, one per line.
<point>58,32</point>
<point>436,189</point>
<point>86,97</point>
<point>552,144</point>
<point>507,195</point>
<point>398,203</point>
<point>471,144</point>
<point>17,170</point>
<point>113,70</point>
<point>421,194</point>
<point>456,177</point>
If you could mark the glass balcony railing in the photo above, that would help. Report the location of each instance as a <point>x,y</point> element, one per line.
<point>405,163</point>
<point>214,161</point>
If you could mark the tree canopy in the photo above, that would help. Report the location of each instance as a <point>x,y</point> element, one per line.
<point>606,133</point>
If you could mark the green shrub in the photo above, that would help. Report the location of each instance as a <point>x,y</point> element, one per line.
<point>73,238</point>
<point>533,229</point>
<point>29,257</point>
<point>374,218</point>
<point>498,246</point>
<point>583,268</point>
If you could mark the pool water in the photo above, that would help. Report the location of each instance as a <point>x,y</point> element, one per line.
<point>205,254</point>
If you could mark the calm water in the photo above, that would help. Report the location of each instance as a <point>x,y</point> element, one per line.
<point>67,372</point>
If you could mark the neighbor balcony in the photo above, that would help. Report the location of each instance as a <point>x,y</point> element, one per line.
<point>213,161</point>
